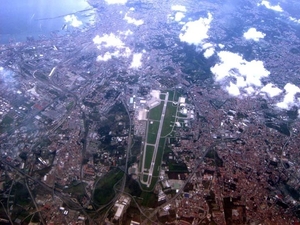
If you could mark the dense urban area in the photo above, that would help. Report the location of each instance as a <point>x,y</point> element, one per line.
<point>87,136</point>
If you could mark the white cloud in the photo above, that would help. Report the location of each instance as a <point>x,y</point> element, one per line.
<point>73,21</point>
<point>107,56</point>
<point>121,2</point>
<point>240,77</point>
<point>108,40</point>
<point>253,34</point>
<point>209,52</point>
<point>269,6</point>
<point>294,19</point>
<point>250,90</point>
<point>133,21</point>
<point>7,77</point>
<point>209,49</point>
<point>170,17</point>
<point>179,16</point>
<point>244,75</point>
<point>180,8</point>
<point>136,60</point>
<point>221,46</point>
<point>271,90</point>
<point>125,52</point>
<point>233,89</point>
<point>207,45</point>
<point>126,33</point>
<point>111,41</point>
<point>290,99</point>
<point>195,32</point>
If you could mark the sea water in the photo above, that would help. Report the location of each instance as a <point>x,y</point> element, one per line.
<point>20,19</point>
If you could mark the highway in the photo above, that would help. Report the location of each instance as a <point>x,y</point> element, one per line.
<point>71,204</point>
<point>128,147</point>
<point>120,191</point>
<point>34,202</point>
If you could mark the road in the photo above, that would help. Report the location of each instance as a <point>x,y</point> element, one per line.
<point>128,147</point>
<point>71,204</point>
<point>34,202</point>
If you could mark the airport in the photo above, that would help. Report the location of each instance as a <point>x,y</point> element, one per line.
<point>161,119</point>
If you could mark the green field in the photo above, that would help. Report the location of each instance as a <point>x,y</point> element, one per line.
<point>178,168</point>
<point>159,156</point>
<point>76,190</point>
<point>104,191</point>
<point>70,106</point>
<point>152,132</point>
<point>149,199</point>
<point>145,178</point>
<point>6,123</point>
<point>169,119</point>
<point>174,96</point>
<point>171,95</point>
<point>148,156</point>
<point>155,113</point>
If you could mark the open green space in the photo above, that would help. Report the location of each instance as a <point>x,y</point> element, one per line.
<point>70,105</point>
<point>6,123</point>
<point>152,132</point>
<point>159,156</point>
<point>171,95</point>
<point>213,154</point>
<point>176,96</point>
<point>145,178</point>
<point>155,113</point>
<point>153,182</point>
<point>148,156</point>
<point>76,189</point>
<point>136,146</point>
<point>149,199</point>
<point>178,168</point>
<point>21,194</point>
<point>7,120</point>
<point>104,191</point>
<point>169,120</point>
